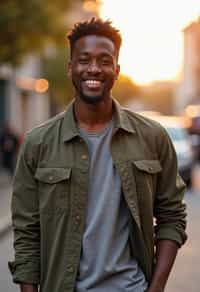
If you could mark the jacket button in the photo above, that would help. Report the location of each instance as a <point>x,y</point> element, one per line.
<point>50,177</point>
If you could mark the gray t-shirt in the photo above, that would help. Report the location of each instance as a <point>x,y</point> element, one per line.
<point>106,264</point>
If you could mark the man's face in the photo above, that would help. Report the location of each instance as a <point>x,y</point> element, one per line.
<point>93,68</point>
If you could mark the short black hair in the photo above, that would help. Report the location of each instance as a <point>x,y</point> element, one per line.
<point>95,26</point>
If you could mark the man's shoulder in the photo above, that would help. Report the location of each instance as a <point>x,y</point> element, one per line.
<point>142,123</point>
<point>45,128</point>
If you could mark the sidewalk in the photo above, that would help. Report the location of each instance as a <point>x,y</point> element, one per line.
<point>5,199</point>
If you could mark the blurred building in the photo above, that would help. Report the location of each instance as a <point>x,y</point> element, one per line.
<point>189,89</point>
<point>24,102</point>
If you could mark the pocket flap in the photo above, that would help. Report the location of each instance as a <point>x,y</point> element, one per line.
<point>52,175</point>
<point>150,166</point>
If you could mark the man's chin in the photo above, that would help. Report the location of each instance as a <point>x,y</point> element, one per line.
<point>91,99</point>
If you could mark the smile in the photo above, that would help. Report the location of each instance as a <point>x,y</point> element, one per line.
<point>93,83</point>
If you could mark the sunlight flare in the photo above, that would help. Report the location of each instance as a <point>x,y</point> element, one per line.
<point>152,35</point>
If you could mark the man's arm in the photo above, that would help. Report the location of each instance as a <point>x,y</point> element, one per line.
<point>169,213</point>
<point>25,217</point>
<point>166,251</point>
<point>28,288</point>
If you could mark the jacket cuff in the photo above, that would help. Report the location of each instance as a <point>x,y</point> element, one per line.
<point>174,235</point>
<point>25,272</point>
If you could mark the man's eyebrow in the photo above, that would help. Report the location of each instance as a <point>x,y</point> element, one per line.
<point>103,54</point>
<point>106,55</point>
<point>84,53</point>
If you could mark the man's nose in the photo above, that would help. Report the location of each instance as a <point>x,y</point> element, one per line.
<point>94,67</point>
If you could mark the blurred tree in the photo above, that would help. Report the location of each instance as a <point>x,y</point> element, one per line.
<point>27,26</point>
<point>55,70</point>
<point>125,89</point>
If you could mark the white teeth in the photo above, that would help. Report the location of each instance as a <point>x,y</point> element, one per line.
<point>93,82</point>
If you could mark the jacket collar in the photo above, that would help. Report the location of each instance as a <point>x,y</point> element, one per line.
<point>121,119</point>
<point>70,129</point>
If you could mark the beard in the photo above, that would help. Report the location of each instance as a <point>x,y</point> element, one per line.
<point>89,99</point>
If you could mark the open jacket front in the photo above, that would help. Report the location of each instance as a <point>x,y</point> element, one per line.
<point>50,196</point>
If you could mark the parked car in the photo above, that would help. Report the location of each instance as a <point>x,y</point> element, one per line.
<point>181,141</point>
<point>192,116</point>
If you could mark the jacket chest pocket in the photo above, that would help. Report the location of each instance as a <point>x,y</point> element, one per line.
<point>53,187</point>
<point>146,175</point>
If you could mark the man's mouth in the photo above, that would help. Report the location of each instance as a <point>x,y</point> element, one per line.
<point>93,84</point>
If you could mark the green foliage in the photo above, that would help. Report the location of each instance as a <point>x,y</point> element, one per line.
<point>55,70</point>
<point>27,26</point>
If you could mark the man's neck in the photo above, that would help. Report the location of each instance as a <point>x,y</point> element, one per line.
<point>93,117</point>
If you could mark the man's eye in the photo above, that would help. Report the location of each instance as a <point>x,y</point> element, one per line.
<point>106,62</point>
<point>83,61</point>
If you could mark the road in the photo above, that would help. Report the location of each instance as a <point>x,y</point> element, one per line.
<point>185,274</point>
<point>6,254</point>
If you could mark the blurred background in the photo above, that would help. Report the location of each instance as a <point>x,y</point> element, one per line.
<point>160,78</point>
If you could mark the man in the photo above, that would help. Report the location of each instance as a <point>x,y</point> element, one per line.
<point>89,184</point>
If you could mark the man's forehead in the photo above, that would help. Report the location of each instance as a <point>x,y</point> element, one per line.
<point>92,42</point>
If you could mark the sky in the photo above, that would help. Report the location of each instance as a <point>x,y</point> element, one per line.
<point>152,35</point>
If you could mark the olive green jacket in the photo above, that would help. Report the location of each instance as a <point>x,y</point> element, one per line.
<point>50,196</point>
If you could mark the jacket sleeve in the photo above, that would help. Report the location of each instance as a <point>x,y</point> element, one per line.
<point>169,207</point>
<point>25,219</point>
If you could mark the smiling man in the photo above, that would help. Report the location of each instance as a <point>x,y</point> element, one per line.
<point>91,182</point>
<point>94,68</point>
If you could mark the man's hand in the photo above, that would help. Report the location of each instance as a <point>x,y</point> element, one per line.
<point>166,251</point>
<point>28,288</point>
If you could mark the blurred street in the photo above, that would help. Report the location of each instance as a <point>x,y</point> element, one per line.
<point>6,251</point>
<point>5,198</point>
<point>185,274</point>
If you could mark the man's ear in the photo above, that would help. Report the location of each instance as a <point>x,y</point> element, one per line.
<point>69,69</point>
<point>117,71</point>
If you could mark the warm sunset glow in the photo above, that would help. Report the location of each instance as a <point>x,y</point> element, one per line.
<point>152,38</point>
